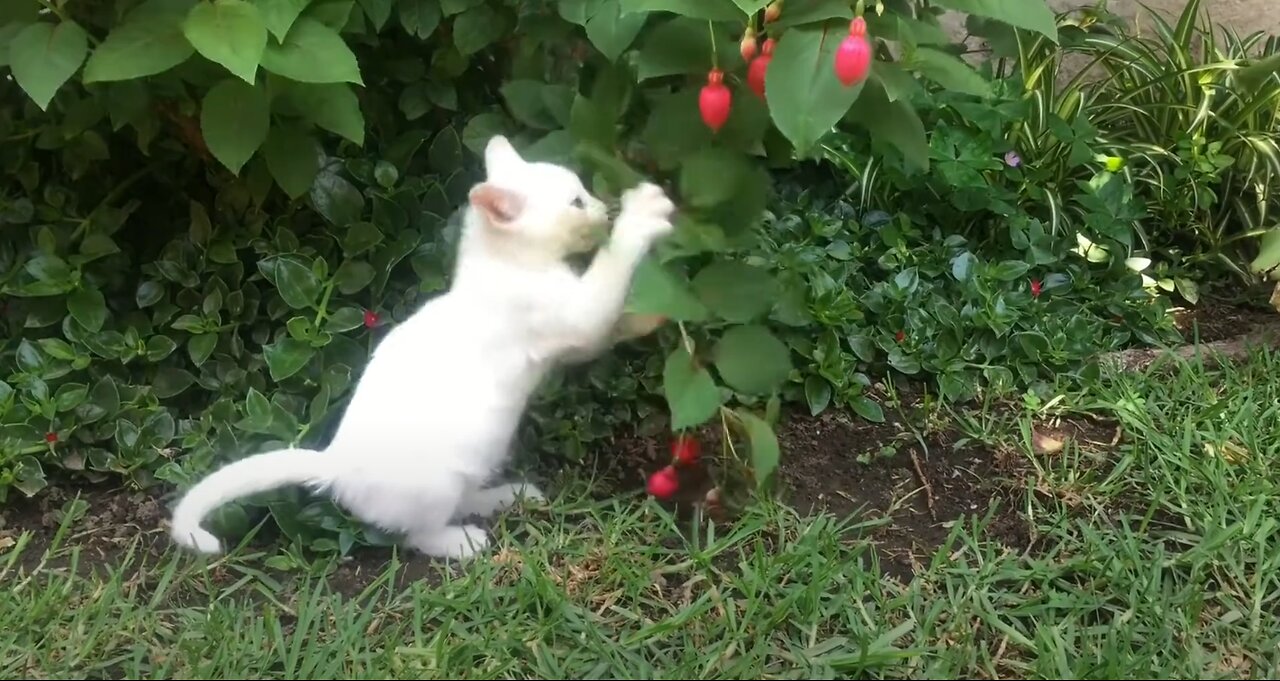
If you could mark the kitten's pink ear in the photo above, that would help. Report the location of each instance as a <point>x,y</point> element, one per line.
<point>499,206</point>
<point>499,154</point>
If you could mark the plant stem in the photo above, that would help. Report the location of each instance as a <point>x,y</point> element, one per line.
<point>715,58</point>
<point>324,304</point>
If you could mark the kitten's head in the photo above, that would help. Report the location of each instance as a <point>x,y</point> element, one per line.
<point>540,208</point>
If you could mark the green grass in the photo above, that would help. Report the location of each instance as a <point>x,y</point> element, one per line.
<point>1153,558</point>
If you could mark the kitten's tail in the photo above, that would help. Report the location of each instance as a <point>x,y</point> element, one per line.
<point>250,475</point>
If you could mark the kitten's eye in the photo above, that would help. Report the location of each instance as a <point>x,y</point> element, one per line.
<point>578,202</point>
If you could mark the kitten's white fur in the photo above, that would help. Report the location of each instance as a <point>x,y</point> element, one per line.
<point>433,416</point>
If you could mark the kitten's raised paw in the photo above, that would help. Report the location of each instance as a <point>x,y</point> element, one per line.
<point>646,213</point>
<point>452,542</point>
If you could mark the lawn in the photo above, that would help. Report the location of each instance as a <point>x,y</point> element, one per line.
<point>1126,529</point>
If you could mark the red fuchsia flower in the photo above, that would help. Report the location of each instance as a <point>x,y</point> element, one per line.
<point>370,319</point>
<point>1012,159</point>
<point>664,483</point>
<point>685,450</point>
<point>51,437</point>
<point>900,336</point>
<point>1035,288</point>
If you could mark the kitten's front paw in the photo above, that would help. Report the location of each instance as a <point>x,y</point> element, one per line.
<point>646,214</point>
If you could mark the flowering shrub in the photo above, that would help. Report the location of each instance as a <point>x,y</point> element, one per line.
<point>211,207</point>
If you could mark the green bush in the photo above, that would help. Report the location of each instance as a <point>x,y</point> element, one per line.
<point>211,207</point>
<point>1189,111</point>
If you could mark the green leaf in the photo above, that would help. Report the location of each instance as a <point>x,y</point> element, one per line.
<point>279,15</point>
<point>331,106</point>
<point>352,276</point>
<point>683,46</point>
<point>735,291</point>
<point>104,400</point>
<point>765,453</point>
<point>312,53</point>
<point>962,266</point>
<point>149,40</point>
<point>480,129</point>
<point>293,157</point>
<point>445,154</point>
<point>378,11</point>
<point>868,409</point>
<point>360,237</point>
<point>159,347</point>
<point>419,18</point>
<point>817,392</point>
<point>752,360</point>
<point>812,12</point>
<point>476,29</point>
<point>949,71</point>
<point>613,32</point>
<point>452,7</point>
<point>297,284</point>
<point>336,199</point>
<point>234,119</point>
<point>89,307</point>
<point>655,290</point>
<point>28,475</point>
<point>1009,270</point>
<point>7,33</point>
<point>171,381</point>
<point>892,123</point>
<point>709,177</point>
<point>804,95</point>
<point>1268,259</point>
<point>336,14</point>
<point>343,319</point>
<point>527,102</point>
<point>49,269</point>
<point>149,293</point>
<point>286,357</point>
<point>230,33</point>
<point>43,56</point>
<point>709,10</point>
<point>1033,15</point>
<point>750,7</point>
<point>414,103</point>
<point>692,395</point>
<point>201,226</point>
<point>1032,343</point>
<point>1258,71</point>
<point>200,346</point>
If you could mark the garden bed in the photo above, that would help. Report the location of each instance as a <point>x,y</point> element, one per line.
<point>907,490</point>
<point>906,485</point>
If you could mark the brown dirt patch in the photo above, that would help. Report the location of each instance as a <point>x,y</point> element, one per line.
<point>921,484</point>
<point>1210,322</point>
<point>917,487</point>
<point>904,489</point>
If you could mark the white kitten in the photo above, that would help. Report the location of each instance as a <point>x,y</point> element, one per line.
<point>433,416</point>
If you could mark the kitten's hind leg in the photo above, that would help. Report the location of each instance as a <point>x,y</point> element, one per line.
<point>455,542</point>
<point>422,510</point>
<point>486,502</point>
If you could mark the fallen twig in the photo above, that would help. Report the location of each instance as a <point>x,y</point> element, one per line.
<point>928,488</point>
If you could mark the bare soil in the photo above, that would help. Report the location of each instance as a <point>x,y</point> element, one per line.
<point>915,487</point>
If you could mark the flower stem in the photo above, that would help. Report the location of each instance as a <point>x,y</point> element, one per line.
<point>715,58</point>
